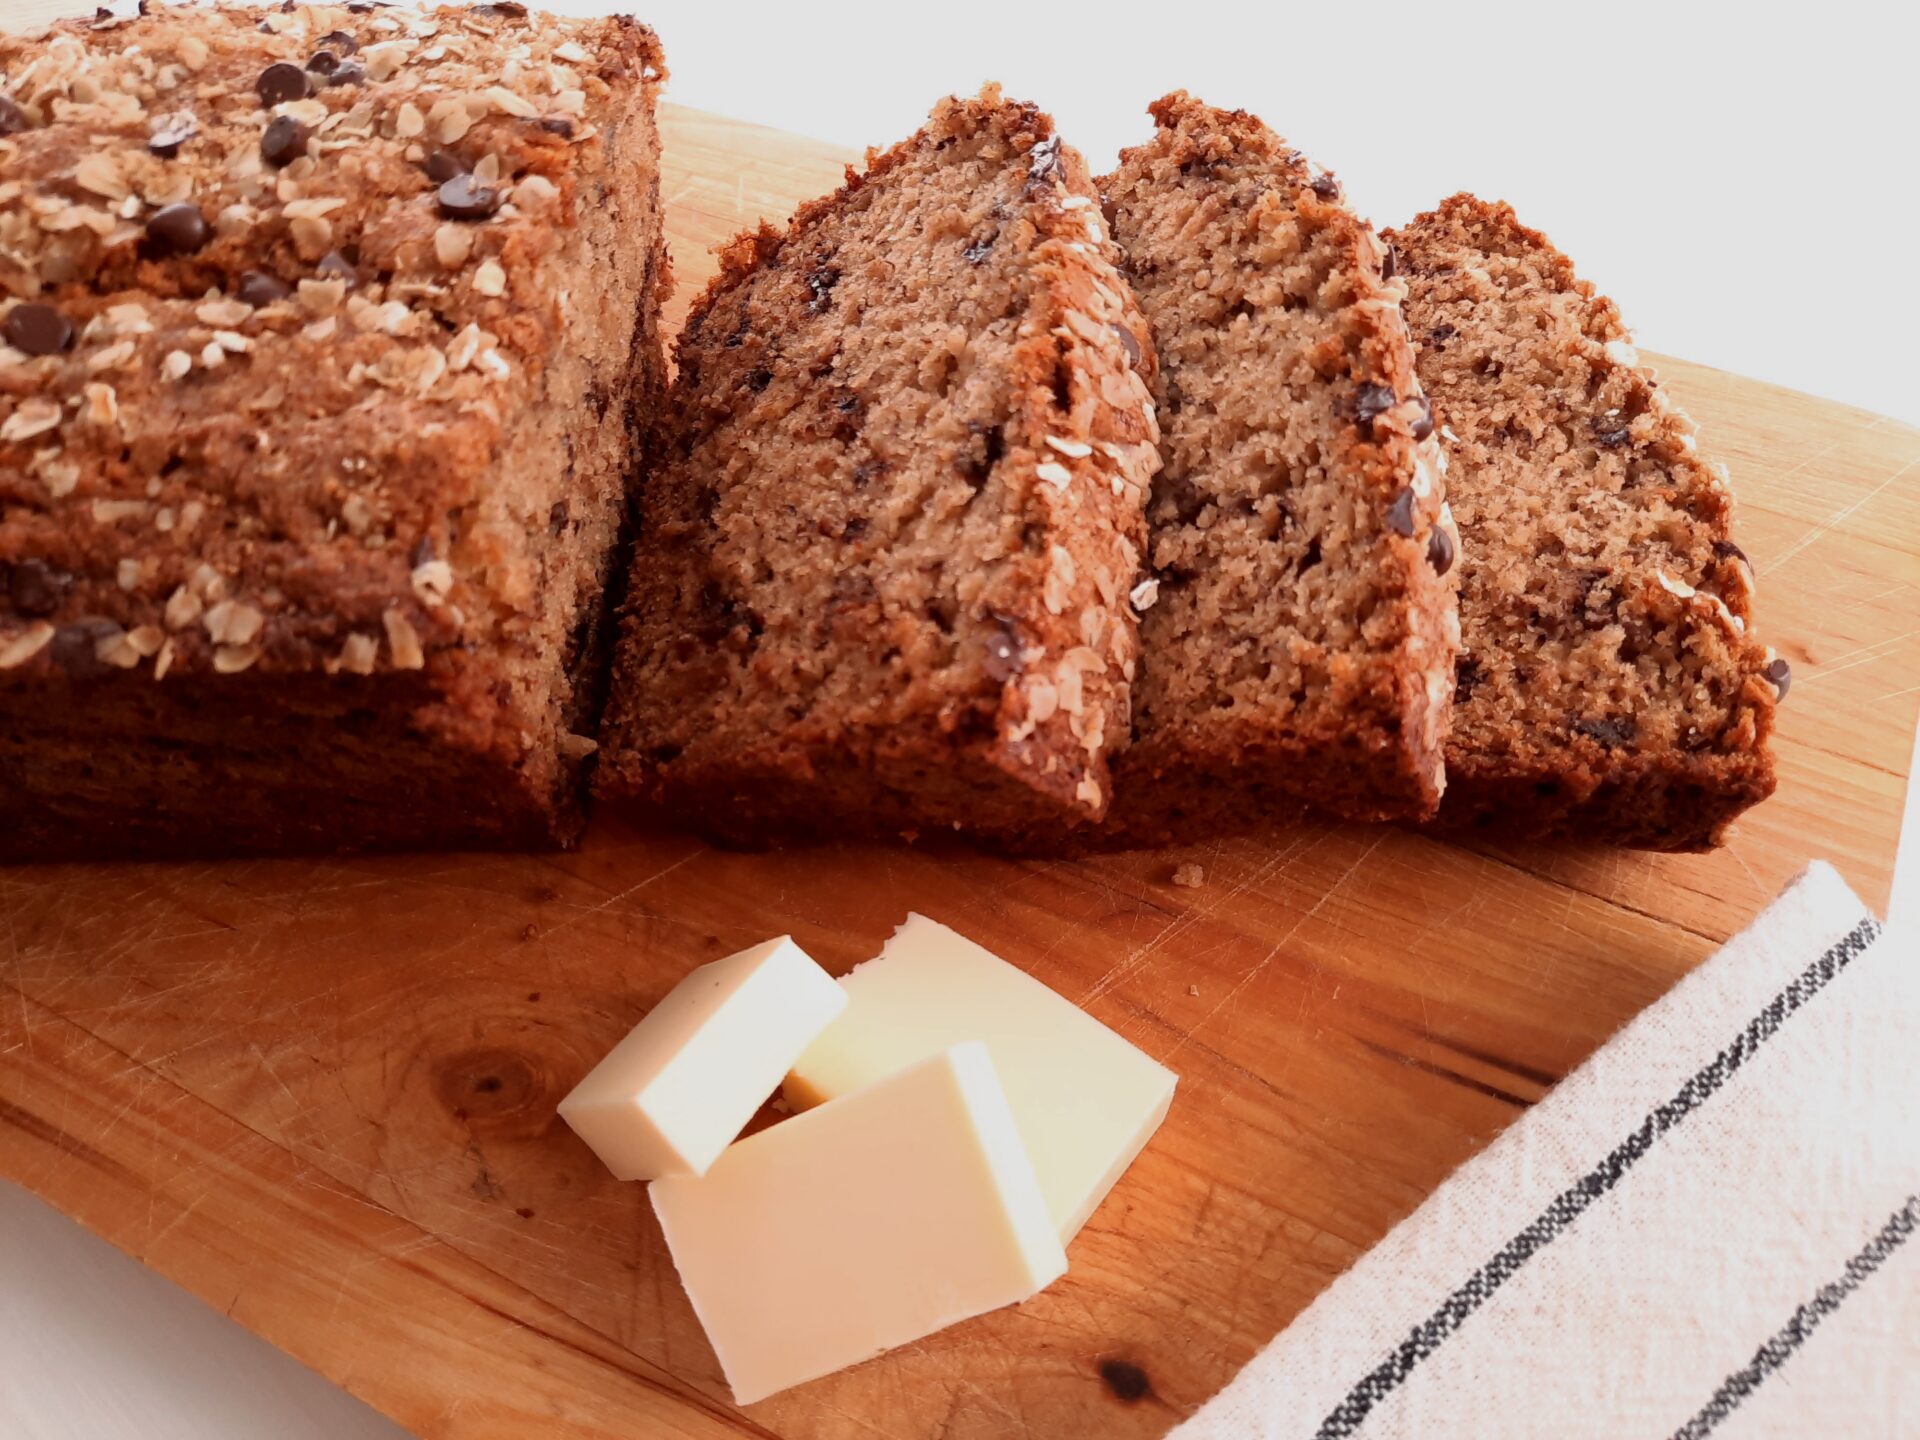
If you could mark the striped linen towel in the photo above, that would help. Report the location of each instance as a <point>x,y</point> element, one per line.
<point>1703,1231</point>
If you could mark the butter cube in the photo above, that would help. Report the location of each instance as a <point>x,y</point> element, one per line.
<point>861,1225</point>
<point>1086,1100</point>
<point>686,1080</point>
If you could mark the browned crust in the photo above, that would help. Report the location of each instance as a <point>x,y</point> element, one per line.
<point>284,739</point>
<point>1569,785</point>
<point>1374,753</point>
<point>995,762</point>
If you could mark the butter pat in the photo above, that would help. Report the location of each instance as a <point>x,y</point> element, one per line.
<point>861,1225</point>
<point>682,1085</point>
<point>1086,1101</point>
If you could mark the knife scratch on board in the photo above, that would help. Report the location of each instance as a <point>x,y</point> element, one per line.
<point>1254,974</point>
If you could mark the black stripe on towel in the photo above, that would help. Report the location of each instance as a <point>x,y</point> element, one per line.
<point>1777,1351</point>
<point>1426,1337</point>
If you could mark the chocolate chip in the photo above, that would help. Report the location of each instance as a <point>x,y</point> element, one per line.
<point>558,125</point>
<point>1400,513</point>
<point>335,266</point>
<point>177,230</point>
<point>1369,403</point>
<point>1003,660</point>
<point>75,647</point>
<point>442,165</point>
<point>283,141</point>
<point>1613,731</point>
<point>34,588</point>
<point>1127,1381</point>
<point>979,250</point>
<point>1043,161</point>
<point>558,517</point>
<point>12,118</point>
<point>1467,675</point>
<point>1723,549</point>
<point>1781,674</point>
<point>821,283</point>
<point>1389,263</point>
<point>257,289</point>
<point>1326,187</point>
<point>322,62</point>
<point>351,72</point>
<point>1440,334</point>
<point>173,132</point>
<point>464,198</point>
<point>1423,422</point>
<point>37,329</point>
<point>759,379</point>
<point>498,8</point>
<point>1130,343</point>
<point>280,82</point>
<point>340,42</point>
<point>1611,431</point>
<point>1440,550</point>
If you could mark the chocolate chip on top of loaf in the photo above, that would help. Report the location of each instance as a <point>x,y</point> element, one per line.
<point>1298,621</point>
<point>1609,686</point>
<point>883,569</point>
<point>300,313</point>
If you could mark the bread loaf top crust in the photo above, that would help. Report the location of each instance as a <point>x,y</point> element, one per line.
<point>273,285</point>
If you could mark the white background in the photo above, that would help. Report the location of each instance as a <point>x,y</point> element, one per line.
<point>1741,178</point>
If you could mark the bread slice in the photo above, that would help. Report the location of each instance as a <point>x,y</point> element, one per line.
<point>1298,618</point>
<point>883,573</point>
<point>1609,686</point>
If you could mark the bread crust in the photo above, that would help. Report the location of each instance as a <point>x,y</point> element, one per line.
<point>302,542</point>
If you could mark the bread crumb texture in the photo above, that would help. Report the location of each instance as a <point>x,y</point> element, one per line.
<point>1298,615</point>
<point>1609,685</point>
<point>884,570</point>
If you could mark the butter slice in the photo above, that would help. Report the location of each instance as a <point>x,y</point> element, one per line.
<point>686,1080</point>
<point>1086,1100</point>
<point>861,1225</point>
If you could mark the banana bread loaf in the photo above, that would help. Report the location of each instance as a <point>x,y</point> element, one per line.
<point>1609,686</point>
<point>882,578</point>
<point>325,333</point>
<point>1298,623</point>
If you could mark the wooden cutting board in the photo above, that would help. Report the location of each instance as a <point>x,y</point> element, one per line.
<point>320,1093</point>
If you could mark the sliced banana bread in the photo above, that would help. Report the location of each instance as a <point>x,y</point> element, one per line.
<point>1609,686</point>
<point>1298,625</point>
<point>884,564</point>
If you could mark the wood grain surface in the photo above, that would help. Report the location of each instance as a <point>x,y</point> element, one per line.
<point>320,1094</point>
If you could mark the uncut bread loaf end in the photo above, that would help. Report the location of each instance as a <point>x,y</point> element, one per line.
<point>1298,623</point>
<point>1609,685</point>
<point>325,337</point>
<point>882,580</point>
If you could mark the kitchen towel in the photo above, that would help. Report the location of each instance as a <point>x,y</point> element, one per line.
<point>1707,1229</point>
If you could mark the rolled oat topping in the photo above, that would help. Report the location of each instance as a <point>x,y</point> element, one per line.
<point>230,320</point>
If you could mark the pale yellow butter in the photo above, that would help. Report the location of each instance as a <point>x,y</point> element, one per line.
<point>679,1089</point>
<point>1086,1101</point>
<point>860,1225</point>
